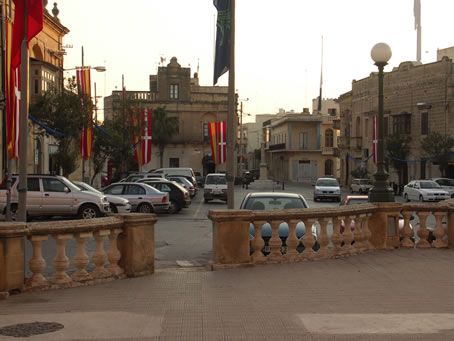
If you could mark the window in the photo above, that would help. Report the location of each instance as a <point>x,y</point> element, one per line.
<point>328,138</point>
<point>329,167</point>
<point>33,185</point>
<point>402,123</point>
<point>53,185</point>
<point>423,168</point>
<point>424,123</point>
<point>332,111</point>
<point>304,141</point>
<point>115,190</point>
<point>135,190</point>
<point>174,91</point>
<point>206,134</point>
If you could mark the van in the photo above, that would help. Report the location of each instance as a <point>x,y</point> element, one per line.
<point>215,187</point>
<point>187,172</point>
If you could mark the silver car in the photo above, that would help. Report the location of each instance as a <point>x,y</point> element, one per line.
<point>117,204</point>
<point>185,183</point>
<point>54,195</point>
<point>327,188</point>
<point>143,198</point>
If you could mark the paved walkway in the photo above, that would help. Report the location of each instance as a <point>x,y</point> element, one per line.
<point>381,295</point>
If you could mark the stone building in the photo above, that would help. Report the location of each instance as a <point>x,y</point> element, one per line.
<point>418,99</point>
<point>300,147</point>
<point>194,105</point>
<point>46,70</point>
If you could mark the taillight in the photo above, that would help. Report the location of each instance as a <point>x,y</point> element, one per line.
<point>186,194</point>
<point>164,199</point>
<point>191,188</point>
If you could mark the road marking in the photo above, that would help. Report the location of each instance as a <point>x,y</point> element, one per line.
<point>377,323</point>
<point>187,263</point>
<point>196,213</point>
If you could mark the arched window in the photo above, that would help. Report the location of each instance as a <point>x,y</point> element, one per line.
<point>328,138</point>
<point>329,167</point>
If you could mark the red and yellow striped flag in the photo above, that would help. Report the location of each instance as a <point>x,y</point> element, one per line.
<point>84,88</point>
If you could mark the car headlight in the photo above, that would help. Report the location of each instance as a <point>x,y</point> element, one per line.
<point>337,191</point>
<point>104,199</point>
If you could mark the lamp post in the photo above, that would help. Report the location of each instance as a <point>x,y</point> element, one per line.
<point>241,136</point>
<point>381,192</point>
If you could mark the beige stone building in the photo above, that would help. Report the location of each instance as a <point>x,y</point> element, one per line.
<point>46,53</point>
<point>418,99</point>
<point>194,106</point>
<point>300,147</point>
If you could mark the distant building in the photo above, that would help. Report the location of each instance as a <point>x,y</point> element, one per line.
<point>193,104</point>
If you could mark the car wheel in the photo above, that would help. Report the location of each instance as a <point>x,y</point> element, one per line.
<point>173,208</point>
<point>421,199</point>
<point>406,198</point>
<point>113,208</point>
<point>88,212</point>
<point>145,208</point>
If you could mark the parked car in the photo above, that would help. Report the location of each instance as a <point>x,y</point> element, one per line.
<point>362,199</point>
<point>200,179</point>
<point>327,188</point>
<point>137,176</point>
<point>143,198</point>
<point>191,179</point>
<point>185,171</point>
<point>361,185</point>
<point>179,196</point>
<point>424,190</point>
<point>215,187</point>
<point>54,195</point>
<point>446,183</point>
<point>255,174</point>
<point>116,204</point>
<point>185,183</point>
<point>266,201</point>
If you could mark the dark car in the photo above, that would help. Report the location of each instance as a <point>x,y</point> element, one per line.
<point>255,174</point>
<point>200,179</point>
<point>178,195</point>
<point>277,201</point>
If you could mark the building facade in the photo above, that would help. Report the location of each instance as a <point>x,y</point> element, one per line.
<point>418,100</point>
<point>194,106</point>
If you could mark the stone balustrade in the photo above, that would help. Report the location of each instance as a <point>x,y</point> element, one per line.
<point>130,251</point>
<point>237,234</point>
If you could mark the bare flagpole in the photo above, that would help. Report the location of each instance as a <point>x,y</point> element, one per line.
<point>231,117</point>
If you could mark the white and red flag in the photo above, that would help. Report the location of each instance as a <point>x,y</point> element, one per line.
<point>145,144</point>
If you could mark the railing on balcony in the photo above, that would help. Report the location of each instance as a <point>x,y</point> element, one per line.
<point>277,146</point>
<point>327,151</point>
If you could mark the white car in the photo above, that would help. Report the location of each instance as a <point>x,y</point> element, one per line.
<point>446,183</point>
<point>116,204</point>
<point>424,190</point>
<point>327,188</point>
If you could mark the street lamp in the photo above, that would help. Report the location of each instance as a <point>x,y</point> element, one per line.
<point>381,192</point>
<point>241,136</point>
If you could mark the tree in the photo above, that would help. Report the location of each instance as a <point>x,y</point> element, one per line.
<point>360,173</point>
<point>163,129</point>
<point>63,113</point>
<point>438,148</point>
<point>397,149</point>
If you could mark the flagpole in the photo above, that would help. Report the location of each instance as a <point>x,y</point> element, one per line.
<point>83,129</point>
<point>22,187</point>
<point>231,122</point>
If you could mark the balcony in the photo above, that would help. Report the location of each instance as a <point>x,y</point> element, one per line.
<point>277,146</point>
<point>327,151</point>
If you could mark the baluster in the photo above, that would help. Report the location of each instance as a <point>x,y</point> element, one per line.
<point>358,234</point>
<point>113,254</point>
<point>423,232</point>
<point>292,241</point>
<point>81,259</point>
<point>37,263</point>
<point>61,262</point>
<point>99,256</point>
<point>323,240</point>
<point>337,238</point>
<point>407,232</point>
<point>275,242</point>
<point>258,243</point>
<point>439,231</point>
<point>348,235</point>
<point>308,239</point>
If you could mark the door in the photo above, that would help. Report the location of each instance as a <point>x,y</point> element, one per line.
<point>34,197</point>
<point>57,198</point>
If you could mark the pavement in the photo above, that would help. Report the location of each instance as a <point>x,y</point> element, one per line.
<point>401,294</point>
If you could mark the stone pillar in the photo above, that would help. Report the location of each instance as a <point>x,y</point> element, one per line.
<point>231,237</point>
<point>384,225</point>
<point>12,256</point>
<point>137,244</point>
<point>263,169</point>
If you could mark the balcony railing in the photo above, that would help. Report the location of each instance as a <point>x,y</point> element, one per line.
<point>278,146</point>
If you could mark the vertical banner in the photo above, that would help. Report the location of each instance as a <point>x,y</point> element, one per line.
<point>374,138</point>
<point>84,88</point>
<point>222,141</point>
<point>136,143</point>
<point>222,54</point>
<point>146,136</point>
<point>213,141</point>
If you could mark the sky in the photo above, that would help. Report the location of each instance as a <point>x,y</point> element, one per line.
<point>278,62</point>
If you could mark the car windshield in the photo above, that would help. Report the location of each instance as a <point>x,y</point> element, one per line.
<point>85,187</point>
<point>216,180</point>
<point>327,183</point>
<point>355,201</point>
<point>429,184</point>
<point>273,203</point>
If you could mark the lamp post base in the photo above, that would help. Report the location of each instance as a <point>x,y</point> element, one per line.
<point>381,192</point>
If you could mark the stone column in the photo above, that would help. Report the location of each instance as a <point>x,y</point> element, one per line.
<point>137,244</point>
<point>12,256</point>
<point>263,169</point>
<point>231,237</point>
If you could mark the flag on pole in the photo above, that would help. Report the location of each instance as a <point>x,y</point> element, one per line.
<point>15,34</point>
<point>84,88</point>
<point>222,49</point>
<point>213,141</point>
<point>374,138</point>
<point>145,144</point>
<point>319,105</point>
